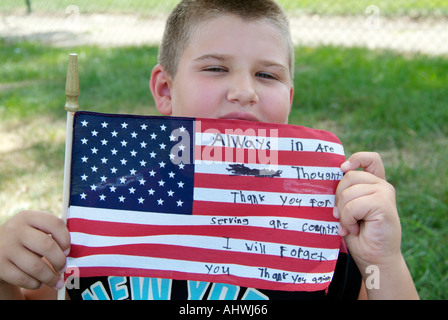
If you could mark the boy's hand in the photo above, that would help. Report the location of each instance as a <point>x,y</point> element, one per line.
<point>32,244</point>
<point>366,207</point>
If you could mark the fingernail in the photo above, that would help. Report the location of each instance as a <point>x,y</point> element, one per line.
<point>345,165</point>
<point>336,213</point>
<point>66,252</point>
<point>59,285</point>
<point>342,231</point>
<point>62,270</point>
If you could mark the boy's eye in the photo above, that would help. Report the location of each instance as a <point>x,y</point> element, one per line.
<point>266,75</point>
<point>214,69</point>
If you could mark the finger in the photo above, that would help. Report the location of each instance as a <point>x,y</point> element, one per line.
<point>353,178</point>
<point>44,245</point>
<point>33,265</point>
<point>354,212</point>
<point>52,225</point>
<point>353,192</point>
<point>368,161</point>
<point>13,275</point>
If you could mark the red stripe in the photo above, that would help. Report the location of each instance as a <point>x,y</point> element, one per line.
<point>283,185</point>
<point>230,279</point>
<point>210,208</point>
<point>208,256</point>
<point>115,229</point>
<point>274,157</point>
<point>263,129</point>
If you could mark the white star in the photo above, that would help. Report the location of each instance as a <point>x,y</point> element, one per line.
<point>121,198</point>
<point>182,129</point>
<point>112,189</point>
<point>161,183</point>
<point>171,174</point>
<point>114,151</point>
<point>94,150</point>
<point>132,190</point>
<point>172,138</point>
<point>104,142</point>
<point>179,203</point>
<point>143,144</point>
<point>124,125</point>
<point>142,181</point>
<point>143,163</point>
<point>94,133</point>
<point>170,193</point>
<point>181,165</point>
<point>172,157</point>
<point>104,160</point>
<point>124,143</point>
<point>140,200</point>
<point>104,124</point>
<point>94,169</point>
<point>181,147</point>
<point>153,136</point>
<point>84,123</point>
<point>162,164</point>
<point>163,127</point>
<point>134,134</point>
<point>162,146</point>
<point>93,187</point>
<point>113,170</point>
<point>84,141</point>
<point>153,154</point>
<point>152,173</point>
<point>84,159</point>
<point>133,172</point>
<point>133,153</point>
<point>144,126</point>
<point>84,177</point>
<point>114,133</point>
<point>123,161</point>
<point>180,184</point>
<point>151,192</point>
<point>160,202</point>
<point>102,197</point>
<point>122,180</point>
<point>103,179</point>
<point>83,196</point>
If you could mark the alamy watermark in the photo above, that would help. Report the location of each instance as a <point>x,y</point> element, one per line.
<point>373,21</point>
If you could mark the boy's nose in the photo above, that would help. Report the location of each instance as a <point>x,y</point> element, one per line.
<point>242,90</point>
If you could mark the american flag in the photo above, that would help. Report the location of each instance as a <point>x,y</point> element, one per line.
<point>212,200</point>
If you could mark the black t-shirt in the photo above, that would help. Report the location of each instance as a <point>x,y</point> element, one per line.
<point>345,285</point>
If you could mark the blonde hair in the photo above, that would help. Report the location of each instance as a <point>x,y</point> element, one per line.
<point>188,15</point>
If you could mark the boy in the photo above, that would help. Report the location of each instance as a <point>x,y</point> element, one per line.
<point>231,60</point>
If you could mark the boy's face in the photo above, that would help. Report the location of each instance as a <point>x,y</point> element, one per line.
<point>231,69</point>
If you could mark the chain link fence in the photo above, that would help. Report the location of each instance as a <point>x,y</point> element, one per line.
<point>402,25</point>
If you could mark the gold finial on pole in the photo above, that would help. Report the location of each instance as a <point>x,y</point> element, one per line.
<point>72,84</point>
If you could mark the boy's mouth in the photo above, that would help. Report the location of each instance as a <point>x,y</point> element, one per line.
<point>240,116</point>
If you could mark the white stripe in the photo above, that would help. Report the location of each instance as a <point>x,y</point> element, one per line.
<point>262,143</point>
<point>149,263</point>
<point>264,198</point>
<point>303,173</point>
<point>211,243</point>
<point>153,218</point>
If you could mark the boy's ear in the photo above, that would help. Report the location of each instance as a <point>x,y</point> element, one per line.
<point>160,86</point>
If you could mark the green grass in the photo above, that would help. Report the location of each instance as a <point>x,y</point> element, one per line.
<point>373,100</point>
<point>415,8</point>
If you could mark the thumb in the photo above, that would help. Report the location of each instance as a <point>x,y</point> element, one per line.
<point>368,161</point>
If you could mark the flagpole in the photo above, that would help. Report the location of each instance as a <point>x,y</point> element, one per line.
<point>71,106</point>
